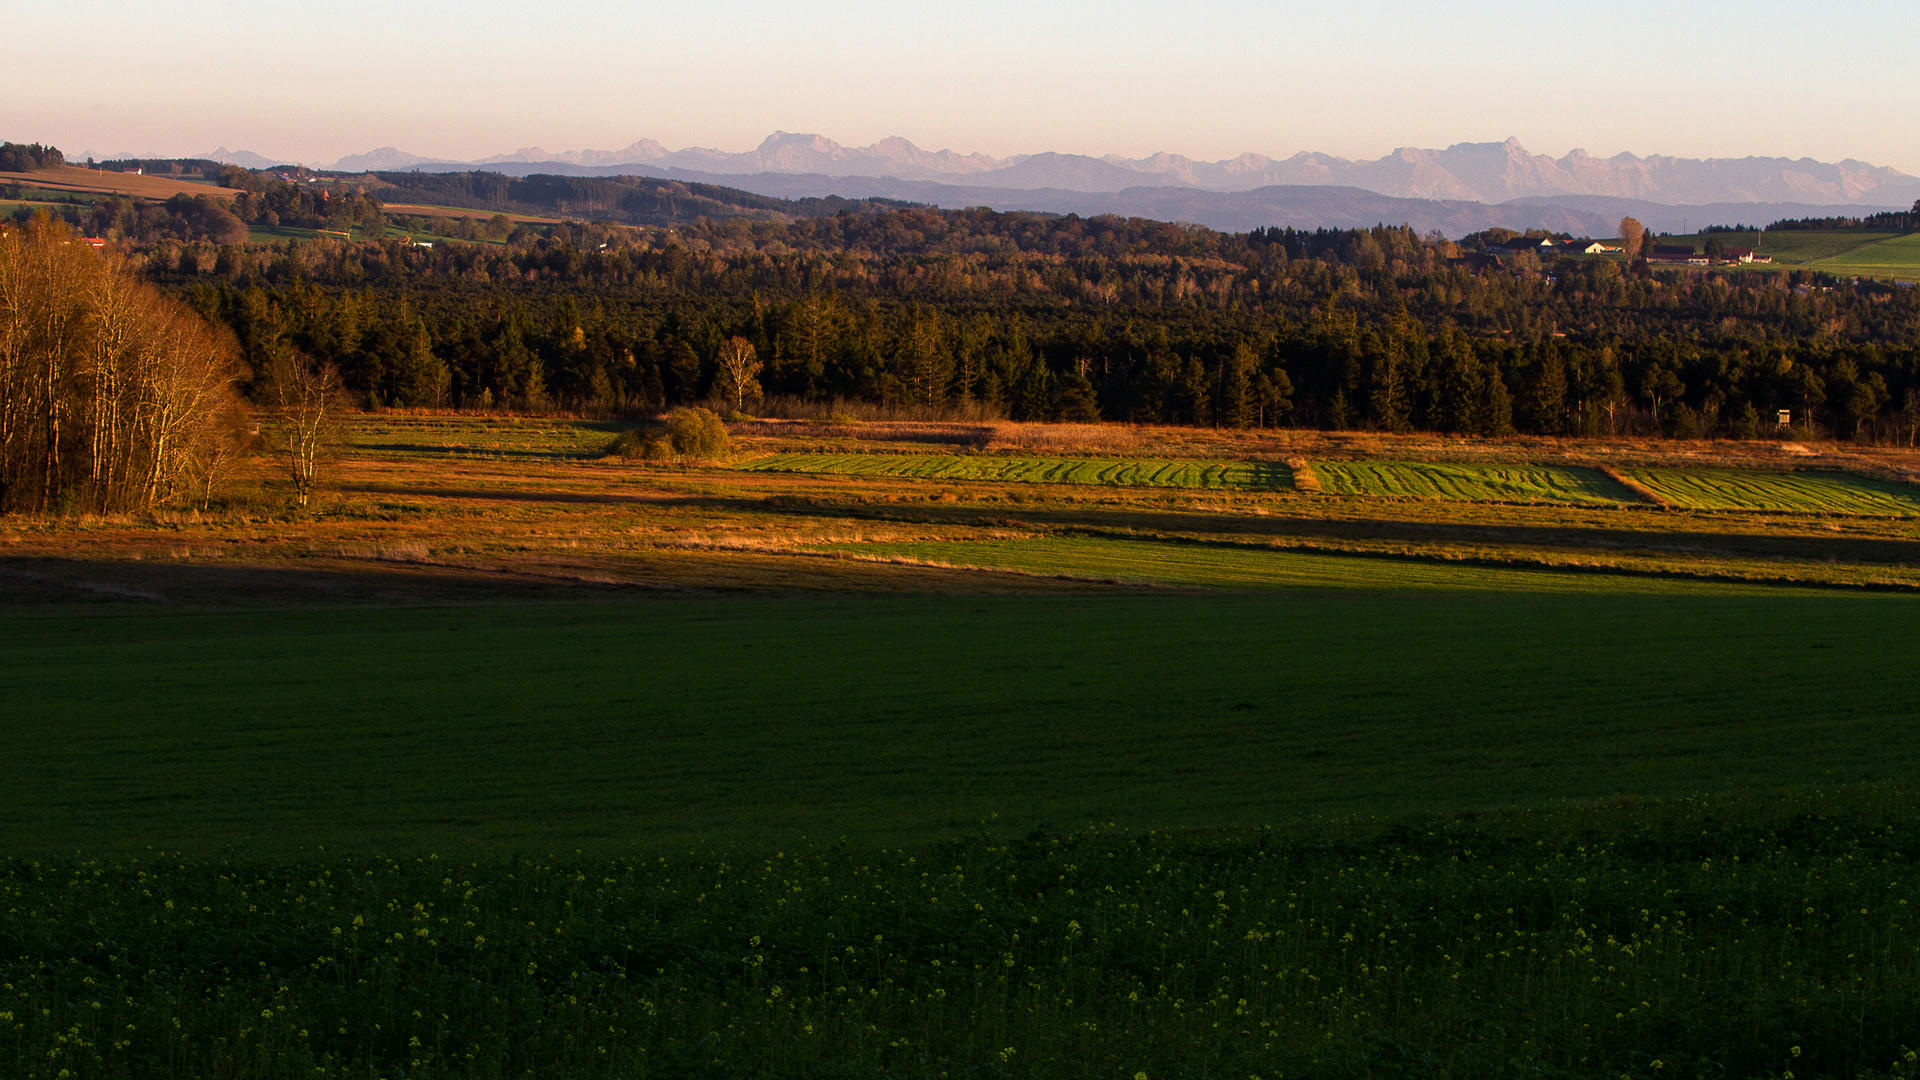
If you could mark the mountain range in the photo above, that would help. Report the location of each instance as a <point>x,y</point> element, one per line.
<point>1463,188</point>
<point>1478,172</point>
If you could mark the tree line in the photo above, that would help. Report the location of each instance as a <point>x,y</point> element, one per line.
<point>1349,328</point>
<point>1045,316</point>
<point>28,157</point>
<point>112,396</point>
<point>1892,220</point>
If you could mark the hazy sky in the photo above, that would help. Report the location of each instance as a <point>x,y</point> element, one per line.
<point>1204,78</point>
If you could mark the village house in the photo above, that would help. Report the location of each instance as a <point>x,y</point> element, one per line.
<point>1539,245</point>
<point>1676,253</point>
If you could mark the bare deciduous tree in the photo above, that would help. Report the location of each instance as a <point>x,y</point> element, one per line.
<point>109,392</point>
<point>307,409</point>
<point>1632,236</point>
<point>739,371</point>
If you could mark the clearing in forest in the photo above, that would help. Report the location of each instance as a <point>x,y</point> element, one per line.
<point>1469,483</point>
<point>1115,472</point>
<point>1793,492</point>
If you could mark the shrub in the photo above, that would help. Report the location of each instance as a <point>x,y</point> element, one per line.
<point>697,433</point>
<point>641,444</point>
<point>693,434</point>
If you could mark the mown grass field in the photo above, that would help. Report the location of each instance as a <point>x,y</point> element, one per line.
<point>1897,256</point>
<point>1807,492</point>
<point>1118,472</point>
<point>1469,482</point>
<point>1793,247</point>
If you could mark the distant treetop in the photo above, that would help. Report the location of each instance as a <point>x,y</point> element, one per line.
<point>26,157</point>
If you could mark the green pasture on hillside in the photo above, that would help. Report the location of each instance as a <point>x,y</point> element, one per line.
<point>1795,492</point>
<point>1239,475</point>
<point>1472,483</point>
<point>1790,247</point>
<point>1222,566</point>
<point>1897,256</point>
<point>643,726</point>
<point>268,234</point>
<point>9,207</point>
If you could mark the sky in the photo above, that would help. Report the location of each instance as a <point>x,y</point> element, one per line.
<point>1209,79</point>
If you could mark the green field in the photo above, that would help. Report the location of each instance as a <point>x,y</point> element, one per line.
<point>538,729</point>
<point>1237,475</point>
<point>1792,247</point>
<point>1863,252</point>
<point>1796,492</point>
<point>1701,489</point>
<point>1706,938</point>
<point>1217,566</point>
<point>1897,256</point>
<point>1294,834</point>
<point>268,234</point>
<point>1471,483</point>
<point>1799,246</point>
<point>464,436</point>
<point>9,207</point>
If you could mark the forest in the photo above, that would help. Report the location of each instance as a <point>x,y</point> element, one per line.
<point>1029,315</point>
<point>1063,318</point>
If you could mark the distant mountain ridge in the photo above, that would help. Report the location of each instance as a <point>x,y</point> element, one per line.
<point>1301,206</point>
<point>1477,172</point>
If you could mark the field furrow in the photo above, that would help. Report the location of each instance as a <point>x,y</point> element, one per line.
<point>1111,472</point>
<point>1779,492</point>
<point>1469,483</point>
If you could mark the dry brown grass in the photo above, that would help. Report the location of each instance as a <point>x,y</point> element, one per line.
<point>1641,491</point>
<point>1304,478</point>
<point>877,434</point>
<point>1066,438</point>
<point>73,178</point>
<point>409,523</point>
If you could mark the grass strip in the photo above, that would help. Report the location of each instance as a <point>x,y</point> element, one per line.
<point>1470,482</point>
<point>1808,492</point>
<point>1113,472</point>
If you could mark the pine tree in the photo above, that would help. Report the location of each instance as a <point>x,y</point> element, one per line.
<point>1239,403</point>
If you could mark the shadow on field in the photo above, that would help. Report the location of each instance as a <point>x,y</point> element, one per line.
<point>593,498</point>
<point>1885,550</point>
<point>475,452</point>
<point>134,585</point>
